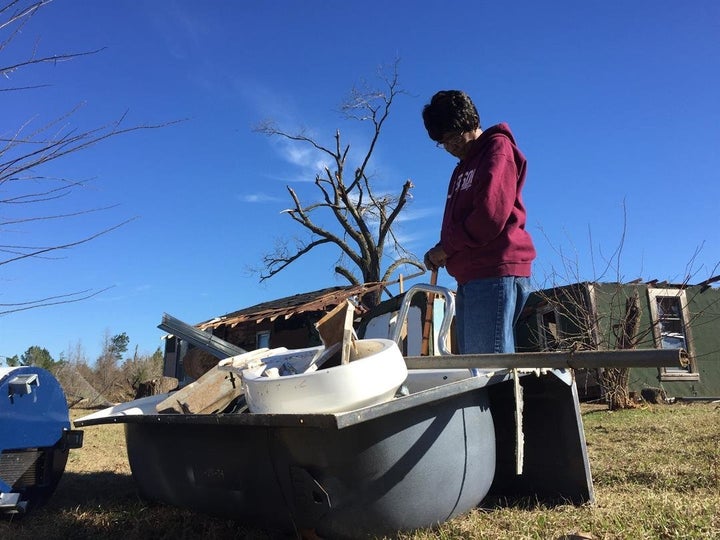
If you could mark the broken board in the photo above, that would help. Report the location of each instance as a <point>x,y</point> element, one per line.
<point>337,327</point>
<point>215,389</point>
<point>211,393</point>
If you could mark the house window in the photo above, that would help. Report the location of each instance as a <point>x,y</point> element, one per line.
<point>262,339</point>
<point>671,330</point>
<point>548,328</point>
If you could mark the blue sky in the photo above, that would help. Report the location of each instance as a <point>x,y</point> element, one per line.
<point>614,104</point>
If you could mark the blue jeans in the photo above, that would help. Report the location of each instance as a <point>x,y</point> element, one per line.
<point>486,313</point>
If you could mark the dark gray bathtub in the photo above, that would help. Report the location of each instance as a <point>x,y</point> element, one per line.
<point>413,462</point>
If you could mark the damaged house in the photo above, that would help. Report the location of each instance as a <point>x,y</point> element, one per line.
<point>285,322</point>
<point>642,315</point>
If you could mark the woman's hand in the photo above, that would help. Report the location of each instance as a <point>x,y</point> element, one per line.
<point>435,258</point>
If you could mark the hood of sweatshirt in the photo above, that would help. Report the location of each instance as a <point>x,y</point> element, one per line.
<point>477,145</point>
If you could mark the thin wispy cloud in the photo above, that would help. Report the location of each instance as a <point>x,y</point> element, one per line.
<point>283,113</point>
<point>259,198</point>
<point>305,159</point>
<point>410,213</point>
<point>182,31</point>
<point>264,100</point>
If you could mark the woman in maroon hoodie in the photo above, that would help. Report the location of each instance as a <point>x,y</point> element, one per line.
<point>483,241</point>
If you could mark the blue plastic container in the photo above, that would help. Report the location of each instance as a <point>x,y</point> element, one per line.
<point>35,437</point>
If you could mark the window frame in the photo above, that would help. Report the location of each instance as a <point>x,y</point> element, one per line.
<point>544,332</point>
<point>689,373</point>
<point>262,335</point>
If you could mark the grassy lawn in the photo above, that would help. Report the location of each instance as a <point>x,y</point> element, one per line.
<point>656,471</point>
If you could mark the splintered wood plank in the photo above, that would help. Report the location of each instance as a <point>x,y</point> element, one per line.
<point>337,327</point>
<point>427,326</point>
<point>211,393</point>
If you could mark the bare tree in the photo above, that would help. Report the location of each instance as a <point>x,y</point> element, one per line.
<point>29,194</point>
<point>362,217</point>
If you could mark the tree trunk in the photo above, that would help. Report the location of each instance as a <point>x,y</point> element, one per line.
<point>153,387</point>
<point>615,380</point>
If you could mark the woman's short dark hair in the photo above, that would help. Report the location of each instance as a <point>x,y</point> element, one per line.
<point>450,111</point>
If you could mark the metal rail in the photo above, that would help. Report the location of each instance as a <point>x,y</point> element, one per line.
<point>529,360</point>
<point>554,360</point>
<point>444,331</point>
<point>219,348</point>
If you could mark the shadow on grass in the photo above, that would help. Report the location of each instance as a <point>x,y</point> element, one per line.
<point>108,506</point>
<point>108,488</point>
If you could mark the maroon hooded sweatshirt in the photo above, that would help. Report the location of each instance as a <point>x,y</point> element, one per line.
<point>483,229</point>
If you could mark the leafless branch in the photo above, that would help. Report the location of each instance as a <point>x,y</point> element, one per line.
<point>34,252</point>
<point>278,261</point>
<point>347,274</point>
<point>56,216</point>
<point>30,149</point>
<point>405,261</point>
<point>51,301</point>
<point>54,59</point>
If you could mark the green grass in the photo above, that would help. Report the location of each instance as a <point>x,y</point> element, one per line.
<point>656,472</point>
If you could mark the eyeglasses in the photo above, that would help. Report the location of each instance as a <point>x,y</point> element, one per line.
<point>449,140</point>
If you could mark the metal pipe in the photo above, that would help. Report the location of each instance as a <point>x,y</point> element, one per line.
<point>647,358</point>
<point>444,331</point>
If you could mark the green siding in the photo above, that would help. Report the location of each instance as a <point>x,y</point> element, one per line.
<point>609,298</point>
